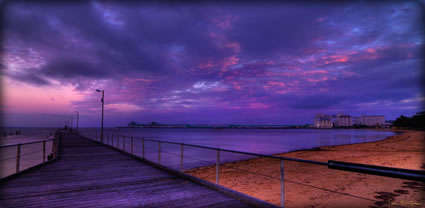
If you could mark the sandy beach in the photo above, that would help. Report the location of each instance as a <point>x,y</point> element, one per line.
<point>308,185</point>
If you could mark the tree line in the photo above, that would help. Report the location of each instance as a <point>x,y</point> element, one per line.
<point>415,122</point>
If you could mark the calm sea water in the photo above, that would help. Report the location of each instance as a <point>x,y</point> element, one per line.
<point>265,141</point>
<point>27,135</point>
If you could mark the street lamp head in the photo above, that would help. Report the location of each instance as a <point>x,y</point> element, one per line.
<point>97,90</point>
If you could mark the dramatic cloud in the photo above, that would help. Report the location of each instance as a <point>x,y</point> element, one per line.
<point>271,63</point>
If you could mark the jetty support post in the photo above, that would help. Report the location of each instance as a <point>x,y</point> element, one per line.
<point>18,157</point>
<point>44,151</point>
<point>123,143</point>
<point>131,144</point>
<point>217,167</point>
<point>181,158</point>
<point>143,148</point>
<point>159,152</point>
<point>282,184</point>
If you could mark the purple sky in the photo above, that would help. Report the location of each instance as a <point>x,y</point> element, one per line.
<point>251,63</point>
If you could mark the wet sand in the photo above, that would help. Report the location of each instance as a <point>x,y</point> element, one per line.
<point>308,185</point>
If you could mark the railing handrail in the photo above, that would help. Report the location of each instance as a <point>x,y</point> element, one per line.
<point>11,145</point>
<point>236,151</point>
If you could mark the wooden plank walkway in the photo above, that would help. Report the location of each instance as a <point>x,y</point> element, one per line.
<point>91,175</point>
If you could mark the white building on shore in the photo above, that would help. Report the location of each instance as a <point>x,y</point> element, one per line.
<point>323,121</point>
<point>342,120</point>
<point>372,120</point>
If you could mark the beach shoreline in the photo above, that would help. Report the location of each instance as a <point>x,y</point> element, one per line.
<point>398,132</point>
<point>309,185</point>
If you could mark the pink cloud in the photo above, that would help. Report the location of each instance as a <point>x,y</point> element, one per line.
<point>274,84</point>
<point>258,106</point>
<point>230,61</point>
<point>226,22</point>
<point>371,50</point>
<point>236,85</point>
<point>207,64</point>
<point>233,45</point>
<point>313,72</point>
<point>335,59</point>
<point>320,19</point>
<point>321,79</point>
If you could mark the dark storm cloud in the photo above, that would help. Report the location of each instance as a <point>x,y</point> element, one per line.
<point>88,46</point>
<point>69,69</point>
<point>32,79</point>
<point>282,30</point>
<point>55,27</point>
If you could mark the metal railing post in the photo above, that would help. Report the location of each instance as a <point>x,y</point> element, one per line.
<point>159,152</point>
<point>217,177</point>
<point>54,147</point>
<point>118,141</point>
<point>44,151</point>
<point>181,158</point>
<point>57,147</point>
<point>18,157</point>
<point>131,145</point>
<point>112,140</point>
<point>143,147</point>
<point>107,138</point>
<point>282,185</point>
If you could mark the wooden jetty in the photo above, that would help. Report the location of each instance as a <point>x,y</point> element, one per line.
<point>88,174</point>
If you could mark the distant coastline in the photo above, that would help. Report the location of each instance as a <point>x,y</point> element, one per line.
<point>218,127</point>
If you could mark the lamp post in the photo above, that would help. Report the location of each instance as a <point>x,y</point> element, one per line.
<point>72,121</point>
<point>78,118</point>
<point>103,102</point>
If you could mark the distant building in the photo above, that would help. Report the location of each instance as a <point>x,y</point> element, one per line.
<point>133,124</point>
<point>342,120</point>
<point>355,121</point>
<point>372,120</point>
<point>323,121</point>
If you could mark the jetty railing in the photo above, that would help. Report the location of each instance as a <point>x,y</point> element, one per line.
<point>16,158</point>
<point>216,162</point>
